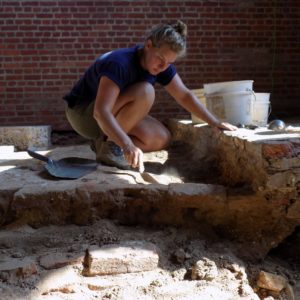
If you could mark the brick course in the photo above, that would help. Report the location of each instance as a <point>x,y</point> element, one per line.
<point>45,46</point>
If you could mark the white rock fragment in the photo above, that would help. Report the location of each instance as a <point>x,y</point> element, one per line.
<point>205,269</point>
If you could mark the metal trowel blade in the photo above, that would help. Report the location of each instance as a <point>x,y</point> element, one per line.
<point>149,177</point>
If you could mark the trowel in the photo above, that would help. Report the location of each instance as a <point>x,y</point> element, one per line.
<point>160,179</point>
<point>147,176</point>
<point>68,167</point>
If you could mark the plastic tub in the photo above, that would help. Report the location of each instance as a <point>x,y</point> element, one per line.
<point>215,104</point>
<point>228,87</point>
<point>238,107</point>
<point>235,108</point>
<point>261,109</point>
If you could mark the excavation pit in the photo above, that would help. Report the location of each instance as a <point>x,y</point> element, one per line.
<point>241,184</point>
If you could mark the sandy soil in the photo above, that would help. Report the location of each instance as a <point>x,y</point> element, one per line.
<point>222,274</point>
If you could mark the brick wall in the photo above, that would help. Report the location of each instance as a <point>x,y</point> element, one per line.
<point>46,45</point>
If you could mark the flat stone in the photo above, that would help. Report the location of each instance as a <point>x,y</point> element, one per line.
<point>198,190</point>
<point>23,137</point>
<point>281,180</point>
<point>285,164</point>
<point>15,269</point>
<point>58,260</point>
<point>7,149</point>
<point>133,256</point>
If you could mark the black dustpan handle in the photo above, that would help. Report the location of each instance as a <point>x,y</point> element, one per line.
<point>39,156</point>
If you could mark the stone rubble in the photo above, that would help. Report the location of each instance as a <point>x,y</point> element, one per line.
<point>140,266</point>
<point>204,269</point>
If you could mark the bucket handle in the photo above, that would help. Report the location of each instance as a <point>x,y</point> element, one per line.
<point>249,107</point>
<point>252,92</point>
<point>254,95</point>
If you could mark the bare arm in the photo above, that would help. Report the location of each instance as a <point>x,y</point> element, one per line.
<point>106,98</point>
<point>189,101</point>
<point>107,95</point>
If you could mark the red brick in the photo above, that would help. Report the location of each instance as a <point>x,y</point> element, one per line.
<point>276,151</point>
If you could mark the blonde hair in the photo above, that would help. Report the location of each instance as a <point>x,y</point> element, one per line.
<point>174,36</point>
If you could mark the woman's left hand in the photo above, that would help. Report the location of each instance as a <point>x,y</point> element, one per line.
<point>226,126</point>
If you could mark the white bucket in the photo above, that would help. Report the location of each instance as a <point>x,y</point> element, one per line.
<point>246,108</point>
<point>238,107</point>
<point>235,108</point>
<point>215,104</point>
<point>261,109</point>
<point>228,87</point>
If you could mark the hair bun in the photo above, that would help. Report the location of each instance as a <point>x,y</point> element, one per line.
<point>181,28</point>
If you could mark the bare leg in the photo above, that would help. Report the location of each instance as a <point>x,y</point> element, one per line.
<point>133,105</point>
<point>150,135</point>
<point>131,111</point>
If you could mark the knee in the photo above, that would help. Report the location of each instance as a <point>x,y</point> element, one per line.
<point>164,138</point>
<point>160,139</point>
<point>145,93</point>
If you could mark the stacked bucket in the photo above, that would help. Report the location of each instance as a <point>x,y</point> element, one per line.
<point>236,102</point>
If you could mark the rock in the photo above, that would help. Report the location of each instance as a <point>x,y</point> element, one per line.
<point>134,256</point>
<point>100,283</point>
<point>281,180</point>
<point>237,270</point>
<point>18,254</point>
<point>276,150</point>
<point>204,270</point>
<point>23,137</point>
<point>179,274</point>
<point>271,282</point>
<point>5,149</point>
<point>289,292</point>
<point>67,289</point>
<point>58,260</point>
<point>294,210</point>
<point>179,256</point>
<point>15,269</point>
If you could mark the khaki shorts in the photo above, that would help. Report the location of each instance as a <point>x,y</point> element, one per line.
<point>82,121</point>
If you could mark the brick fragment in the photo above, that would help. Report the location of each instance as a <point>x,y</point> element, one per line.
<point>135,256</point>
<point>271,282</point>
<point>276,151</point>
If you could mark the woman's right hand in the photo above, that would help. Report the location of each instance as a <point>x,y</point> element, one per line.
<point>134,156</point>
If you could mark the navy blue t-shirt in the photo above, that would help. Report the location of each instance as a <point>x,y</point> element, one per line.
<point>122,67</point>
